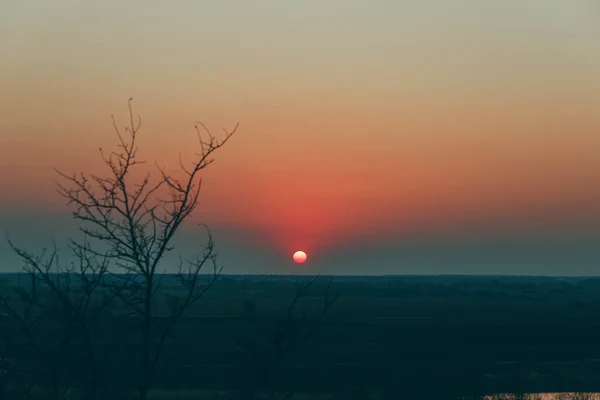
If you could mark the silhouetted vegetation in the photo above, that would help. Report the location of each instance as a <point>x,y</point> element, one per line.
<point>384,338</point>
<point>127,228</point>
<point>112,324</point>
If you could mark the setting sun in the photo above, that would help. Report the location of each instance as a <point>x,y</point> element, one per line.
<point>299,257</point>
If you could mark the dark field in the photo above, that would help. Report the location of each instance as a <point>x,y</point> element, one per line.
<point>386,337</point>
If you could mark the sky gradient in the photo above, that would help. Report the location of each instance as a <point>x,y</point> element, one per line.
<point>380,136</point>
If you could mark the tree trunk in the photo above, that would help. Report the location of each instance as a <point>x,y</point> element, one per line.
<point>146,342</point>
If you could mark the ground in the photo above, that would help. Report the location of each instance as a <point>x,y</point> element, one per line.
<point>392,336</point>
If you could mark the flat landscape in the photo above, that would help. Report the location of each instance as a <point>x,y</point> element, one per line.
<point>384,337</point>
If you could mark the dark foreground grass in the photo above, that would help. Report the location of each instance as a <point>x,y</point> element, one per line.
<point>390,337</point>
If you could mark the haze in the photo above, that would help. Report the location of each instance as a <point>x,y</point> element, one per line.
<point>382,137</point>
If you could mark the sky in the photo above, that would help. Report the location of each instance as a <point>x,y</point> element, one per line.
<point>380,136</point>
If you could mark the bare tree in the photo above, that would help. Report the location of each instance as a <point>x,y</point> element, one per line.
<point>292,333</point>
<point>137,222</point>
<point>57,312</point>
<point>127,227</point>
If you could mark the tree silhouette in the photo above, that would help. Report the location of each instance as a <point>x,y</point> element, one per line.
<point>127,229</point>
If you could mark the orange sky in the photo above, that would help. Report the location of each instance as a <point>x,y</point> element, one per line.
<point>359,120</point>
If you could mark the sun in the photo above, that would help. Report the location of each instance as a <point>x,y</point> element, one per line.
<point>299,257</point>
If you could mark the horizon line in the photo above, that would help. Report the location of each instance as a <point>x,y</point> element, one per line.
<point>359,275</point>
